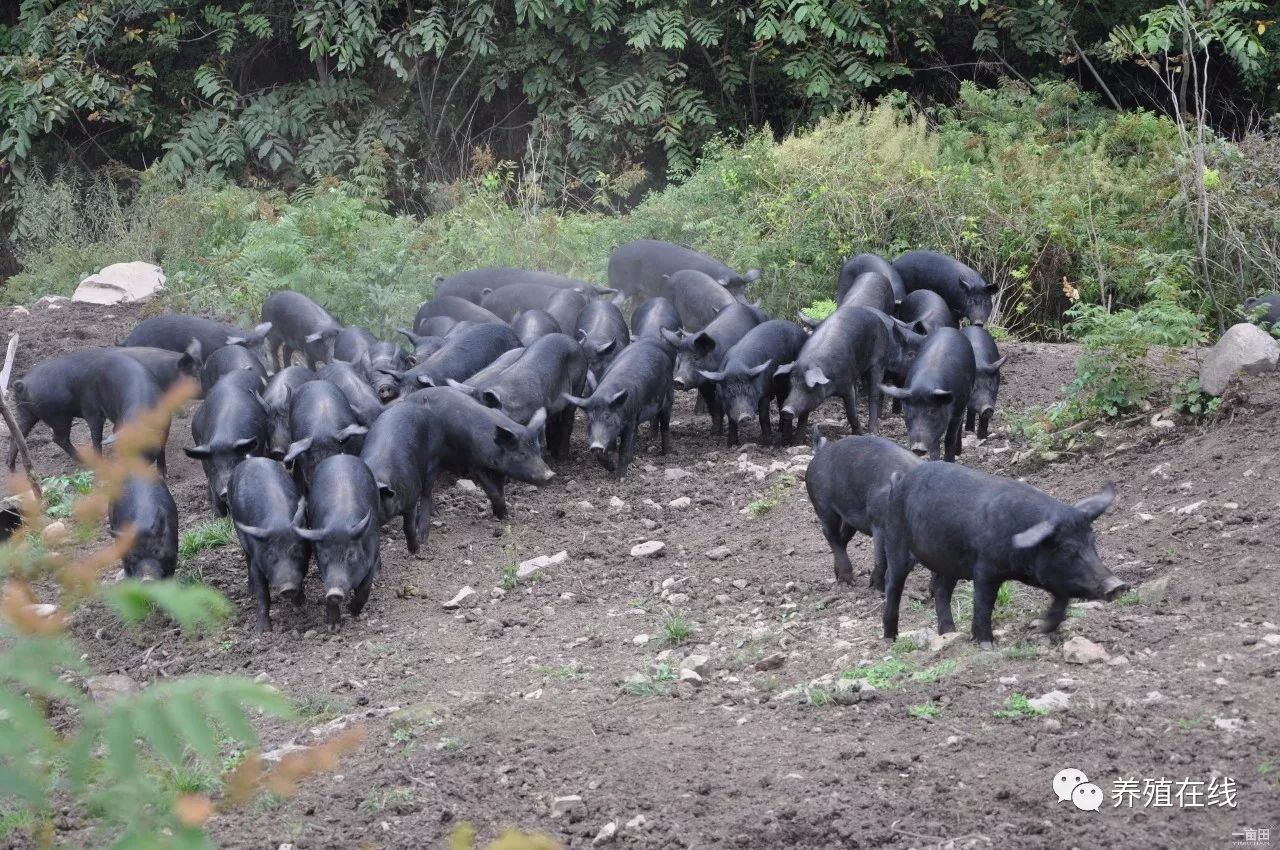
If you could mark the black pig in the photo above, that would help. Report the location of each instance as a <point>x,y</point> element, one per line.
<point>265,508</point>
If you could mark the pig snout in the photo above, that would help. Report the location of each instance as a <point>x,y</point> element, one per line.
<point>919,449</point>
<point>1111,588</point>
<point>597,446</point>
<point>679,383</point>
<point>789,412</point>
<point>743,418</point>
<point>335,593</point>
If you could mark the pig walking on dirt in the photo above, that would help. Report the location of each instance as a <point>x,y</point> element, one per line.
<point>965,524</point>
<point>231,424</point>
<point>639,269</point>
<point>403,452</point>
<point>850,347</point>
<point>936,394</point>
<point>342,527</point>
<point>965,291</point>
<point>855,267</point>
<point>746,383</point>
<point>848,484</point>
<point>705,351</point>
<point>321,424</point>
<point>175,333</point>
<point>986,379</point>
<point>298,324</point>
<point>145,508</point>
<point>265,508</point>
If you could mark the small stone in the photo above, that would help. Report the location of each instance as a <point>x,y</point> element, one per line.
<point>1052,724</point>
<point>585,506</point>
<point>649,525</point>
<point>937,643</point>
<point>678,598</point>
<point>648,549</point>
<point>262,677</point>
<point>533,566</point>
<point>463,596</point>
<point>1052,701</point>
<point>1079,650</point>
<point>1153,592</point>
<point>105,689</point>
<point>640,639</point>
<point>1008,680</point>
<point>466,485</point>
<point>1228,724</point>
<point>54,533</point>
<point>616,503</point>
<point>719,553</point>
<point>637,822</point>
<point>680,503</point>
<point>770,662</point>
<point>1153,697</point>
<point>570,806</point>
<point>699,664</point>
<point>740,583</point>
<point>675,473</point>
<point>606,833</point>
<point>1271,640</point>
<point>43,609</point>
<point>19,312</point>
<point>952,740</point>
<point>536,694</point>
<point>692,676</point>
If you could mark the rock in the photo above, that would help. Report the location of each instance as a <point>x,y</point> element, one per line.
<point>649,525</point>
<point>648,549</point>
<point>19,312</point>
<point>54,533</point>
<point>719,553</point>
<point>1243,348</point>
<point>770,662</point>
<point>52,302</point>
<point>121,283</point>
<point>680,503</point>
<point>466,485</point>
<point>699,664</point>
<point>921,638</point>
<point>1052,701</point>
<point>938,643</point>
<point>675,473</point>
<point>1080,650</point>
<point>276,755</point>
<point>691,676</point>
<point>637,822</point>
<point>262,678</point>
<point>616,503</point>
<point>606,833</point>
<point>1271,640</point>
<point>640,640</point>
<point>1153,592</point>
<point>105,689</point>
<point>585,506</point>
<point>740,583</point>
<point>43,609</point>
<point>569,806</point>
<point>462,597</point>
<point>533,566</point>
<point>1228,724</point>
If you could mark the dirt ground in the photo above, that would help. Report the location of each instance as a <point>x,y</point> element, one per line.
<point>565,685</point>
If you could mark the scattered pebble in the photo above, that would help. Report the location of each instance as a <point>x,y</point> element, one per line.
<point>648,549</point>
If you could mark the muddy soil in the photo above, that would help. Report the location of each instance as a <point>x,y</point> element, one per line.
<point>567,685</point>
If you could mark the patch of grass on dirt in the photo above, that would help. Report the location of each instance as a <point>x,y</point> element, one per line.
<point>903,645</point>
<point>925,711</point>
<point>819,696</point>
<point>572,670</point>
<point>772,496</point>
<point>17,821</point>
<point>676,628</point>
<point>1018,707</point>
<point>398,801</point>
<point>195,782</point>
<point>1127,599</point>
<point>1021,651</point>
<point>60,492</point>
<point>881,675</point>
<point>937,672</point>
<point>314,709</point>
<point>207,535</point>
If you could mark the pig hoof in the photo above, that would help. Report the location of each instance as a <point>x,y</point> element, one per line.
<point>986,645</point>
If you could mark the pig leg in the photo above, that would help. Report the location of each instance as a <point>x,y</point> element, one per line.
<point>626,449</point>
<point>26,421</point>
<point>1055,615</point>
<point>881,560</point>
<point>96,422</point>
<point>850,399</point>
<point>942,588</point>
<point>766,431</point>
<point>411,528</point>
<point>873,400</point>
<point>838,535</point>
<point>984,422</point>
<point>949,441</point>
<point>361,596</point>
<point>968,419</point>
<point>984,603</point>
<point>493,483</point>
<point>731,435</point>
<point>897,564</point>
<point>717,415</point>
<point>957,428</point>
<point>664,427</point>
<point>260,590</point>
<point>61,428</point>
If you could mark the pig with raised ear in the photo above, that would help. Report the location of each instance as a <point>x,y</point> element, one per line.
<point>266,507</point>
<point>965,524</point>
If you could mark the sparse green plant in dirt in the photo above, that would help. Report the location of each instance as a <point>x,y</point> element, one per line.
<point>140,769</point>
<point>1021,651</point>
<point>1128,599</point>
<point>881,675</point>
<point>1193,402</point>
<point>313,709</point>
<point>463,837</point>
<point>209,534</point>
<point>61,491</point>
<point>926,711</point>
<point>1018,707</point>
<point>818,696</point>
<point>777,490</point>
<point>937,672</point>
<point>397,801</point>
<point>676,627</point>
<point>573,670</point>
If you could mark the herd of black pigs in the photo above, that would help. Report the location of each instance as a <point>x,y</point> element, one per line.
<point>313,460</point>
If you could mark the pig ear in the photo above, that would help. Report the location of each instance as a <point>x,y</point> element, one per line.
<point>1096,505</point>
<point>247,445</point>
<point>763,367</point>
<point>582,335</point>
<point>539,419</point>
<point>671,336</point>
<point>605,347</point>
<point>505,437</point>
<point>993,288</point>
<point>941,396</point>
<point>995,367</point>
<point>574,400</point>
<point>1033,536</point>
<point>253,531</point>
<point>193,351</point>
<point>703,343</point>
<point>489,398</point>
<point>198,452</point>
<point>260,332</point>
<point>313,337</point>
<point>784,369</point>
<point>300,513</point>
<point>358,529</point>
<point>409,335</point>
<point>919,327</point>
<point>895,392</point>
<point>315,535</point>
<point>813,376</point>
<point>713,377</point>
<point>296,448</point>
<point>236,340</point>
<point>386,492</point>
<point>752,274</point>
<point>807,321</point>
<point>619,399</point>
<point>351,431</point>
<point>461,387</point>
<point>426,380</point>
<point>592,381</point>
